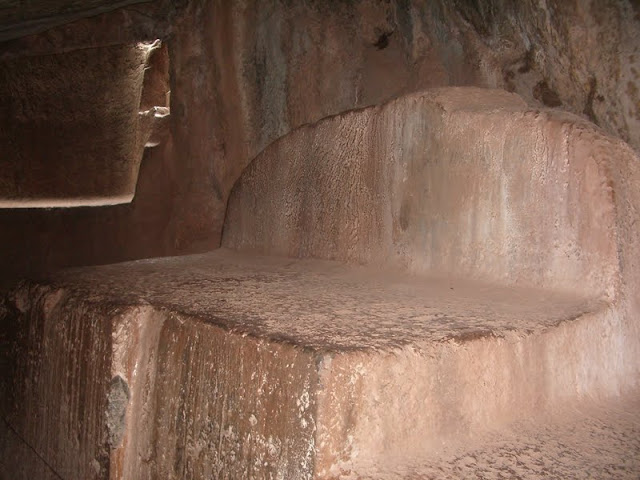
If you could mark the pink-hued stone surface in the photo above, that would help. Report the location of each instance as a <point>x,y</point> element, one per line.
<point>547,216</point>
<point>243,366</point>
<point>324,305</point>
<point>136,392</point>
<point>584,440</point>
<point>463,181</point>
<point>501,286</point>
<point>246,73</point>
<point>19,19</point>
<point>460,181</point>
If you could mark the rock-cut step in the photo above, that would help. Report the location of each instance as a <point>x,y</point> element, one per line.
<point>235,366</point>
<point>229,365</point>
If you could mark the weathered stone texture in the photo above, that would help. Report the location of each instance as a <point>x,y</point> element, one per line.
<point>275,66</point>
<point>133,392</point>
<point>247,367</point>
<point>70,133</point>
<point>19,18</point>
<point>581,56</point>
<point>139,22</point>
<point>60,380</point>
<point>236,366</point>
<point>599,441</point>
<point>207,403</point>
<point>301,62</point>
<point>460,180</point>
<point>241,366</point>
<point>245,73</point>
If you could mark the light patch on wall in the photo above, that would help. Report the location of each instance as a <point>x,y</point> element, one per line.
<point>65,202</point>
<point>154,102</point>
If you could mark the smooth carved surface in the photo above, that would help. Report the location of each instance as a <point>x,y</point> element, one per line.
<point>246,366</point>
<point>463,181</point>
<point>247,73</point>
<point>191,401</point>
<point>71,135</point>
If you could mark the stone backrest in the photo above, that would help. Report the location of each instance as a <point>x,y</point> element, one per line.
<point>456,181</point>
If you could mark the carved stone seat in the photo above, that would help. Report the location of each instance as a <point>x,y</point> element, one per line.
<point>392,279</point>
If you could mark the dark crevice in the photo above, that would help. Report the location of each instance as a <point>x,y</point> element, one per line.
<point>546,95</point>
<point>383,40</point>
<point>591,96</point>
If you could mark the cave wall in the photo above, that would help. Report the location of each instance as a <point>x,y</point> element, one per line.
<point>244,73</point>
<point>275,65</point>
<point>38,239</point>
<point>70,134</point>
<point>301,61</point>
<point>579,55</point>
<point>463,182</point>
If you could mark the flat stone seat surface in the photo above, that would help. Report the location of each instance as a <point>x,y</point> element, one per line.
<point>237,365</point>
<point>321,304</point>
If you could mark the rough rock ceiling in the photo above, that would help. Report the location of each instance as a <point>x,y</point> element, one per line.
<point>26,17</point>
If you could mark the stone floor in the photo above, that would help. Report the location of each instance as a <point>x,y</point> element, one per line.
<point>598,440</point>
<point>418,369</point>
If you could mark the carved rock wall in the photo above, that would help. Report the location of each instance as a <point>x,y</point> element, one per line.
<point>70,133</point>
<point>245,73</point>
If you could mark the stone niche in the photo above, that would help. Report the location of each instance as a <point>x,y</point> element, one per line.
<point>74,124</point>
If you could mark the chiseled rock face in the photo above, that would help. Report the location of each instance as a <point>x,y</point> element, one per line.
<point>225,365</point>
<point>121,392</point>
<point>297,62</point>
<point>245,73</point>
<point>18,19</point>
<point>272,66</point>
<point>232,365</point>
<point>461,180</point>
<point>69,131</point>
<point>581,56</point>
